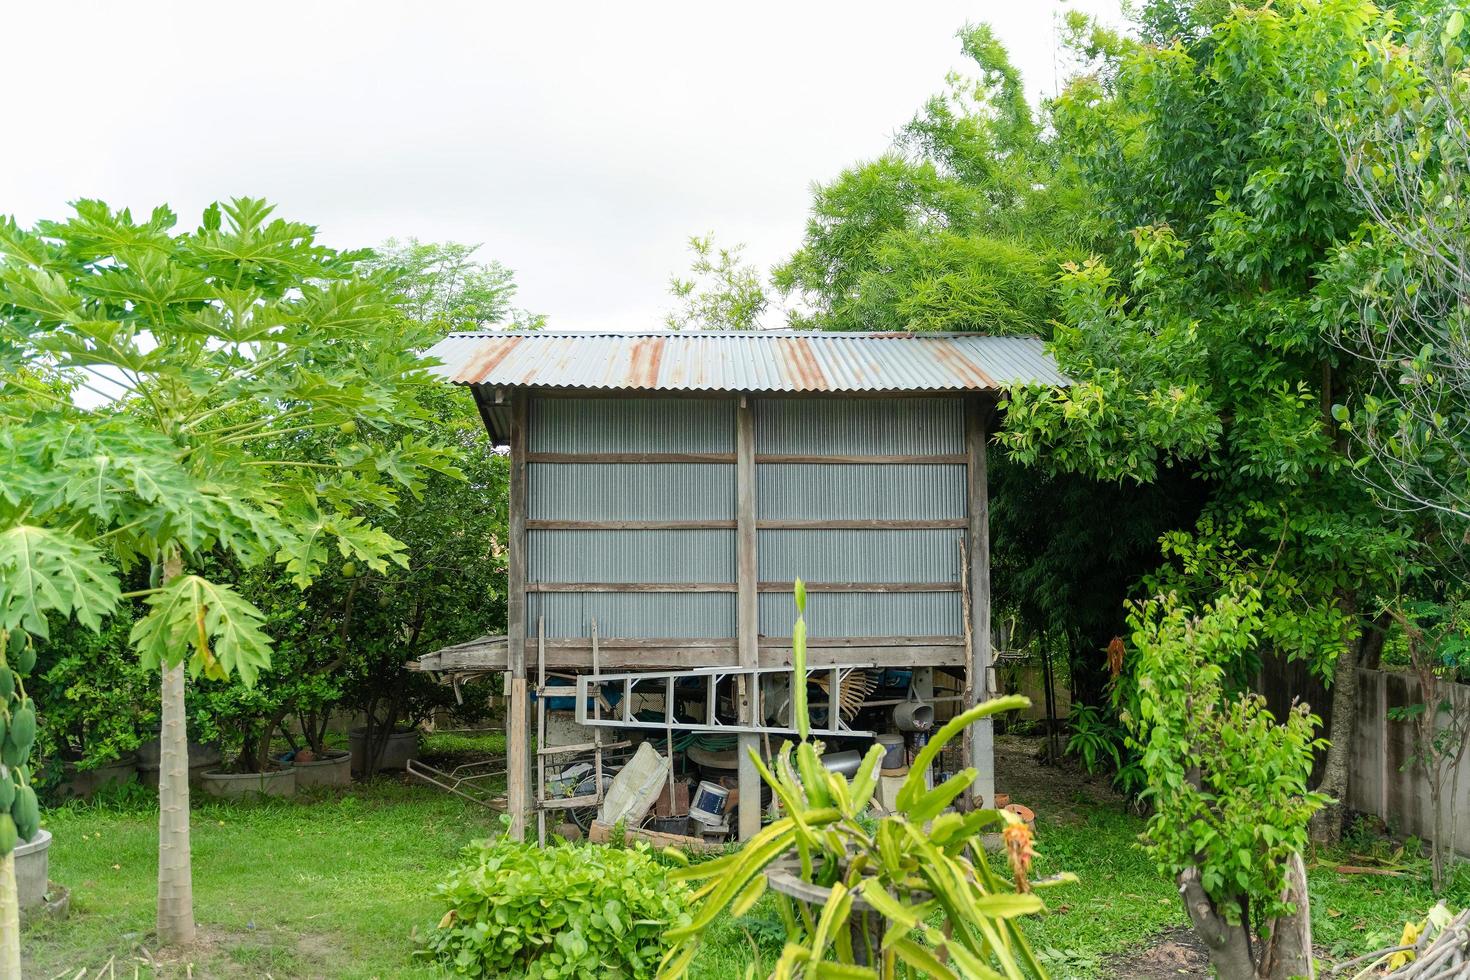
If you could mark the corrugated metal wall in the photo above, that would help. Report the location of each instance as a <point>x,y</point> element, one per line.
<point>838,492</point>
<point>633,425</point>
<point>785,491</point>
<point>886,491</point>
<point>872,426</point>
<point>631,556</point>
<point>860,556</point>
<point>631,492</point>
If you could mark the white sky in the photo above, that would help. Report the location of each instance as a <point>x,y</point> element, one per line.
<point>582,143</point>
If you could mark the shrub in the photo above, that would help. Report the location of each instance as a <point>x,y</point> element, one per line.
<point>566,911</point>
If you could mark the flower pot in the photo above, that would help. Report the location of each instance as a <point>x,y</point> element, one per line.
<point>31,865</point>
<point>277,782</point>
<point>84,783</point>
<point>333,769</point>
<point>401,748</point>
<point>202,758</point>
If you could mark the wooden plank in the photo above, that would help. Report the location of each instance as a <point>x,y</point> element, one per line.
<point>957,459</point>
<point>726,458</point>
<point>876,587</point>
<point>550,525</point>
<point>631,587</point>
<point>747,615</point>
<point>980,738</point>
<point>576,654</point>
<point>601,833</point>
<point>517,734</point>
<point>877,524</point>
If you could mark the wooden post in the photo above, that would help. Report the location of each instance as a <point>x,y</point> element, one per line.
<point>979,738</point>
<point>517,729</point>
<point>747,614</point>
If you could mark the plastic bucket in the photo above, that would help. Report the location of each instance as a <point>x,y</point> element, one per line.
<point>893,755</point>
<point>708,805</point>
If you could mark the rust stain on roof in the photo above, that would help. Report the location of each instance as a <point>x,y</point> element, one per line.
<point>962,366</point>
<point>487,360</point>
<point>754,362</point>
<point>643,368</point>
<point>798,364</point>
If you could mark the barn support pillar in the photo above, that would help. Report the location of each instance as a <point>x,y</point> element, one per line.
<point>747,618</point>
<point>517,716</point>
<point>979,740</point>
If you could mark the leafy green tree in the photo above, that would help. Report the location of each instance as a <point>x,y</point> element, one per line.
<point>1228,784</point>
<point>1402,281</point>
<point>1205,338</point>
<point>959,227</point>
<point>223,341</point>
<point>444,284</point>
<point>724,292</point>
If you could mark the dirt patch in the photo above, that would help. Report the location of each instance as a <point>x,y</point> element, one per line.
<point>1022,771</point>
<point>1174,954</point>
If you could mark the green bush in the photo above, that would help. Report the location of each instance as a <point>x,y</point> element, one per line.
<point>566,911</point>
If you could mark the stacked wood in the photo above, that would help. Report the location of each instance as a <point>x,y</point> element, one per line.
<point>1437,954</point>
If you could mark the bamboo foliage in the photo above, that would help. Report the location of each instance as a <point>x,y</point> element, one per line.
<point>910,894</point>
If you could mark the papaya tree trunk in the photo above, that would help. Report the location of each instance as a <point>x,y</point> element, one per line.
<point>175,876</point>
<point>9,919</point>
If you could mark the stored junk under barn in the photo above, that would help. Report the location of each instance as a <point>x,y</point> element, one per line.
<point>666,491</point>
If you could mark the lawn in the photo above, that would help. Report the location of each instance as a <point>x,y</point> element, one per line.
<point>335,886</point>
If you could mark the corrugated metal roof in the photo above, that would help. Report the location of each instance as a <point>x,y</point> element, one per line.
<point>731,361</point>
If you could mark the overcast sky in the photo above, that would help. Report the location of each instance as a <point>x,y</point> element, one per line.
<point>581,143</point>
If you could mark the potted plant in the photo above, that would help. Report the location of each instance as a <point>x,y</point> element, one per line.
<point>245,720</point>
<point>94,699</point>
<point>860,896</point>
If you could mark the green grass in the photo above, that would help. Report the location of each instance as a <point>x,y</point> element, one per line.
<point>333,885</point>
<point>323,886</point>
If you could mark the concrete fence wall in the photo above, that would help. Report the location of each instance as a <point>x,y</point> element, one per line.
<point>1382,779</point>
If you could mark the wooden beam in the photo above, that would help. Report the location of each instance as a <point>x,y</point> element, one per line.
<point>869,587</point>
<point>878,524</point>
<point>765,524</point>
<point>601,833</point>
<point>518,730</point>
<point>548,525</point>
<point>576,654</point>
<point>958,459</point>
<point>979,741</point>
<point>675,587</point>
<point>747,617</point>
<point>682,587</point>
<point>726,458</point>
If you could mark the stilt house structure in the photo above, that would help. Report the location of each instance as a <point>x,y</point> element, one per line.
<point>666,490</point>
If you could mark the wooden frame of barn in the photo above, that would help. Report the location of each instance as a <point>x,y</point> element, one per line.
<point>667,488</point>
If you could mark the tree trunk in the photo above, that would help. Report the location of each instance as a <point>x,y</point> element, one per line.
<point>175,877</point>
<point>1229,945</point>
<point>9,919</point>
<point>1327,822</point>
<point>1288,950</point>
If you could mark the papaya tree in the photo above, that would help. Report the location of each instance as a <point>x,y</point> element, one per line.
<point>152,381</point>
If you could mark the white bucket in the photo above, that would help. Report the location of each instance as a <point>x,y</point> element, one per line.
<point>708,805</point>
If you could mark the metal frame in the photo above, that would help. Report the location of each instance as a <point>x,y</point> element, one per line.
<point>712,677</point>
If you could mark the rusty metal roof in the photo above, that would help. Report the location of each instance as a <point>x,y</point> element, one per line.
<point>737,362</point>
